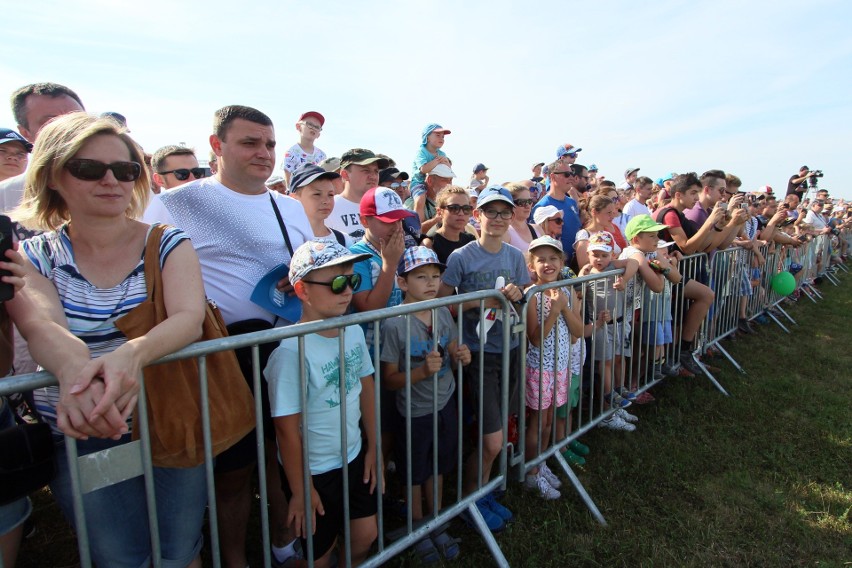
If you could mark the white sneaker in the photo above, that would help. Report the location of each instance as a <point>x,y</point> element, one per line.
<point>626,416</point>
<point>616,422</point>
<point>551,478</point>
<point>536,482</point>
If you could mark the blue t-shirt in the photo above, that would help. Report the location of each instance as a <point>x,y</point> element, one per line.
<point>424,156</point>
<point>369,270</point>
<point>322,367</point>
<point>471,268</point>
<point>570,220</point>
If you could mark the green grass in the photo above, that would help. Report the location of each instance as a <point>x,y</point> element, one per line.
<point>760,478</point>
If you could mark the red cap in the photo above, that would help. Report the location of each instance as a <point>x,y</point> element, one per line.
<point>384,204</point>
<point>314,114</point>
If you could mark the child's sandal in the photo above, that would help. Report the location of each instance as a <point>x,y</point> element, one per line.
<point>427,552</point>
<point>446,544</point>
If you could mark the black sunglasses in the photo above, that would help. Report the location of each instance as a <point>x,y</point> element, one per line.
<point>183,173</point>
<point>93,170</point>
<point>524,202</point>
<point>566,174</point>
<point>339,283</point>
<point>456,209</point>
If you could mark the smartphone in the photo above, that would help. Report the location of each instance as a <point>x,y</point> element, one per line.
<point>722,205</point>
<point>7,291</point>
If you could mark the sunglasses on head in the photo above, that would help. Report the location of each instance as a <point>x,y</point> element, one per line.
<point>456,209</point>
<point>183,173</point>
<point>339,283</point>
<point>93,170</point>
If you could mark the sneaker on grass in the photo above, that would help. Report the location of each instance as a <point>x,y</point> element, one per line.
<point>615,400</point>
<point>579,448</point>
<point>616,422</point>
<point>626,416</point>
<point>497,508</point>
<point>572,458</point>
<point>625,393</point>
<point>548,475</point>
<point>688,362</point>
<point>537,482</point>
<point>494,523</point>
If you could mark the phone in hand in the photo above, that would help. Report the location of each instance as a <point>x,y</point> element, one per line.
<point>7,291</point>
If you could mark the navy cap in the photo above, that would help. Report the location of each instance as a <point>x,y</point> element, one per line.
<point>389,174</point>
<point>8,135</point>
<point>309,173</point>
<point>480,168</point>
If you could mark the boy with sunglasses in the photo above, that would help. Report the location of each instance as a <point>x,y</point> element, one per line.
<point>322,276</point>
<point>477,266</point>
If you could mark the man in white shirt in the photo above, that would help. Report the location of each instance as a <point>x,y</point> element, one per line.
<point>174,166</point>
<point>238,230</point>
<point>643,188</point>
<point>359,169</point>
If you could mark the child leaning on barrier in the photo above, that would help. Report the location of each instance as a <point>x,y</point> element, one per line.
<point>322,276</point>
<point>659,271</point>
<point>420,279</point>
<point>606,300</point>
<point>479,266</point>
<point>548,362</point>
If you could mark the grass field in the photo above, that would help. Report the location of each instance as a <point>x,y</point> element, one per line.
<point>760,478</point>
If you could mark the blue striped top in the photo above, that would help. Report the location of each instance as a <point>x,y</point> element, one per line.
<point>91,311</point>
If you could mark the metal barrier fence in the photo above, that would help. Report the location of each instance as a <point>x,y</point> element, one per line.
<point>97,470</point>
<point>633,358</point>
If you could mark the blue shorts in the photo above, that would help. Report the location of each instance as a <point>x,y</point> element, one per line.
<point>117,516</point>
<point>16,512</point>
<point>745,284</point>
<point>657,332</point>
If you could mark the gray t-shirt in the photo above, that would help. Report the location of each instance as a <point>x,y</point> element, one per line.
<point>473,268</point>
<point>601,295</point>
<point>393,351</point>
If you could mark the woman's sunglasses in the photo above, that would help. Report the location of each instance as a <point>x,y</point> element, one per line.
<point>93,170</point>
<point>183,173</point>
<point>339,283</point>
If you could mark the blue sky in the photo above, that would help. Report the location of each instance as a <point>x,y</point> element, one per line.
<point>755,88</point>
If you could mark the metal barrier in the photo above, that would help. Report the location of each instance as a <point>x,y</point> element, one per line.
<point>94,471</point>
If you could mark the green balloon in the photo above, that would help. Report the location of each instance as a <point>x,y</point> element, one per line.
<point>783,283</point>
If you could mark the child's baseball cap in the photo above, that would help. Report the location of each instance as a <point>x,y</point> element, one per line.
<point>546,241</point>
<point>642,224</point>
<point>415,257</point>
<point>429,129</point>
<point>384,204</point>
<point>307,174</point>
<point>313,114</point>
<point>600,241</point>
<point>542,214</point>
<point>566,149</point>
<point>315,254</point>
<point>494,193</point>
<point>9,135</point>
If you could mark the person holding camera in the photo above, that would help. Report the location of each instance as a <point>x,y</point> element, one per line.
<point>798,183</point>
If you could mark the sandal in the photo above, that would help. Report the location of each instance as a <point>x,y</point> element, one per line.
<point>446,544</point>
<point>427,552</point>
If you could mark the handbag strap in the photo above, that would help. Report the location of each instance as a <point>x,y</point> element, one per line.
<point>153,276</point>
<point>281,225</point>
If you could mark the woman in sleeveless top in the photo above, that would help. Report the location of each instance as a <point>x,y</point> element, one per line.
<point>521,233</point>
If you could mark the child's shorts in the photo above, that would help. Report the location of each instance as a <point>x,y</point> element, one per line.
<point>745,284</point>
<point>491,392</point>
<point>422,449</point>
<point>541,383</point>
<point>329,487</point>
<point>562,411</point>
<point>612,339</point>
<point>657,332</point>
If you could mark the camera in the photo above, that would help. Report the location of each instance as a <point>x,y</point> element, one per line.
<point>816,173</point>
<point>813,181</point>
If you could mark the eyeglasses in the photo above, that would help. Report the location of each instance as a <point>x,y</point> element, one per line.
<point>314,127</point>
<point>397,185</point>
<point>524,202</point>
<point>494,213</point>
<point>557,220</point>
<point>339,283</point>
<point>183,173</point>
<point>93,170</point>
<point>456,209</point>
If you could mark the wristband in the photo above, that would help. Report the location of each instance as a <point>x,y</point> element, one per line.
<point>666,271</point>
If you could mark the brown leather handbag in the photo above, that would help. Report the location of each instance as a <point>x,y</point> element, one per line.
<point>173,389</point>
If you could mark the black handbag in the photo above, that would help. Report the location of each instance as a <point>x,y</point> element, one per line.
<point>27,460</point>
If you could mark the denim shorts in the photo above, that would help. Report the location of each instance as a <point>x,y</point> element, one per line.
<point>16,512</point>
<point>117,516</point>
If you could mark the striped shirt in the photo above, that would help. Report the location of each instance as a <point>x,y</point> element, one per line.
<point>91,311</point>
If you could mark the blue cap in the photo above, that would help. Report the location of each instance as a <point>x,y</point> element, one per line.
<point>8,135</point>
<point>494,193</point>
<point>593,168</point>
<point>430,128</point>
<point>566,149</point>
<point>479,168</point>
<point>415,257</point>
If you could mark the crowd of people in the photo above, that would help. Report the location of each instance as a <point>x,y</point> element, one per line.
<point>358,233</point>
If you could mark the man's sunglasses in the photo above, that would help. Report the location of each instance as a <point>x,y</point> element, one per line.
<point>456,209</point>
<point>183,173</point>
<point>339,283</point>
<point>93,170</point>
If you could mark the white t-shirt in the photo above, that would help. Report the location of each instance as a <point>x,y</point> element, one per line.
<point>632,209</point>
<point>236,236</point>
<point>346,218</point>
<point>815,220</point>
<point>11,192</point>
<point>296,156</point>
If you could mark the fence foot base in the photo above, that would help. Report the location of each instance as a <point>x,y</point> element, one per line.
<point>777,321</point>
<point>710,376</point>
<point>731,359</point>
<point>578,486</point>
<point>831,278</point>
<point>485,533</point>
